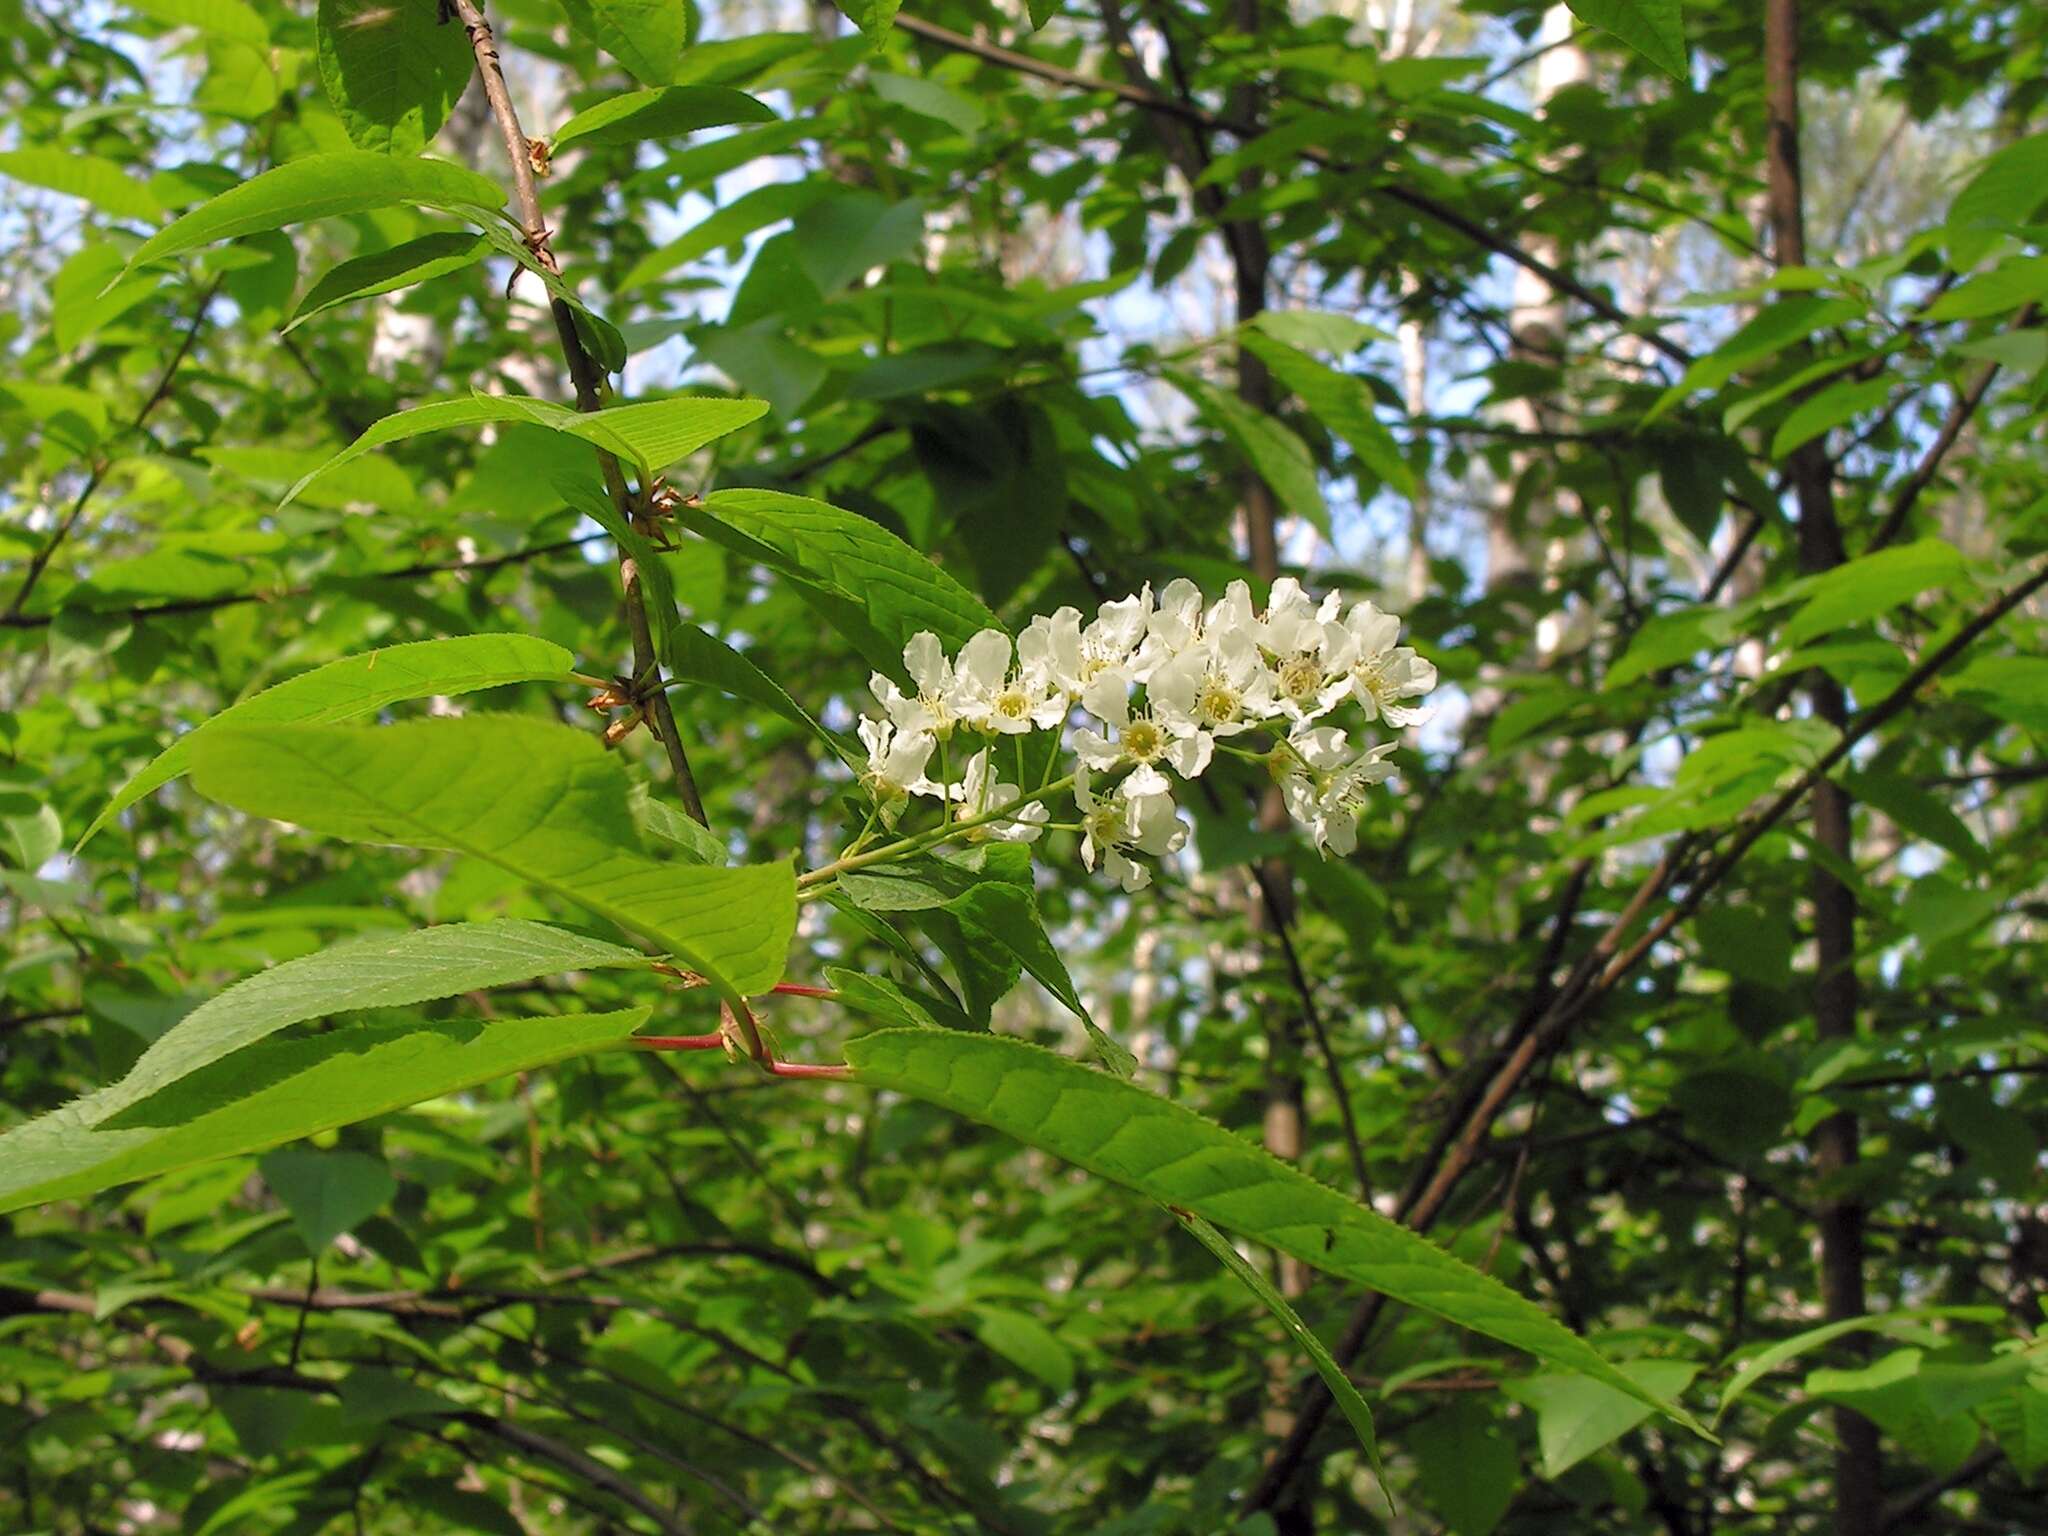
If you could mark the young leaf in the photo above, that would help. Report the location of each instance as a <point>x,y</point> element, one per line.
<point>100,182</point>
<point>647,36</point>
<point>539,800</point>
<point>393,71</point>
<point>875,589</point>
<point>321,187</point>
<point>360,685</point>
<point>1168,1152</point>
<point>282,1090</point>
<point>651,435</point>
<point>1576,1416</point>
<point>664,114</point>
<point>1654,28</point>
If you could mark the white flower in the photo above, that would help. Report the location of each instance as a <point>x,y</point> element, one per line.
<point>1382,674</point>
<point>980,792</point>
<point>1082,660</point>
<point>1295,634</point>
<point>1170,628</point>
<point>1142,739</point>
<point>993,696</point>
<point>1219,685</point>
<point>931,708</point>
<point>1123,819</point>
<point>1324,784</point>
<point>896,763</point>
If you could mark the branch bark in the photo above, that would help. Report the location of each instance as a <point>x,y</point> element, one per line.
<point>590,394</point>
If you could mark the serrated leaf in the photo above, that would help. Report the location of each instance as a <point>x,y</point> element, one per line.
<point>1906,1321</point>
<point>383,971</point>
<point>661,114</point>
<point>651,435</point>
<point>98,181</point>
<point>282,1090</point>
<point>394,70</point>
<point>402,266</point>
<point>646,36</point>
<point>698,656</point>
<point>542,801</point>
<point>872,587</point>
<point>1654,28</point>
<point>321,187</point>
<point>360,685</point>
<point>1173,1155</point>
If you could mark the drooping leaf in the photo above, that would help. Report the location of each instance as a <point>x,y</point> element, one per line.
<point>393,71</point>
<point>745,214</point>
<point>928,98</point>
<point>1349,1403</point>
<point>661,114</point>
<point>1905,1322</point>
<point>873,17</point>
<point>542,801</point>
<point>98,181</point>
<point>2008,189</point>
<point>651,435</point>
<point>875,589</point>
<point>1827,410</point>
<point>1654,28</point>
<point>1268,447</point>
<point>646,36</point>
<point>381,971</point>
<point>320,187</point>
<point>359,685</point>
<point>1340,402</point>
<point>282,1090</point>
<point>402,266</point>
<point>1166,1151</point>
<point>1871,585</point>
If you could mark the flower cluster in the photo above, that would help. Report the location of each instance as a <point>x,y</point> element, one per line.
<point>1165,684</point>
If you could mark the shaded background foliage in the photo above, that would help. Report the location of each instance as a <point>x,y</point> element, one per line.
<point>998,283</point>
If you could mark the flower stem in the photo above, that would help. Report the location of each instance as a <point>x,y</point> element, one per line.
<point>919,842</point>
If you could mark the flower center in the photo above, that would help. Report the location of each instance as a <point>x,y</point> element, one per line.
<point>1103,826</point>
<point>1300,676</point>
<point>1218,702</point>
<point>1013,704</point>
<point>1143,741</point>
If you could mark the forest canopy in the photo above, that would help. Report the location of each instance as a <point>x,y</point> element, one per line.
<point>1124,768</point>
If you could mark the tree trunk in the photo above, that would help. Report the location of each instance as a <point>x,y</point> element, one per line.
<point>1841,1217</point>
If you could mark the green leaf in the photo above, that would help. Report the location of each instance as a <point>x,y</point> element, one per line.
<point>1783,324</point>
<point>745,214</point>
<point>1168,1152</point>
<point>402,266</point>
<point>1349,1403</point>
<point>1654,28</point>
<point>892,1003</point>
<point>1906,1322</point>
<point>1312,330</point>
<point>2020,1421</point>
<point>1274,453</point>
<point>2008,190</point>
<point>360,685</point>
<point>282,1090</point>
<point>1827,410</point>
<point>1576,1415</point>
<point>382,971</point>
<point>1341,402</point>
<point>873,17</point>
<point>875,589</point>
<point>839,238</point>
<point>651,435</point>
<point>394,71</point>
<point>100,182</point>
<point>663,114</point>
<point>2011,285</point>
<point>927,98</point>
<point>1916,811</point>
<point>542,801</point>
<point>647,36</point>
<point>698,656</point>
<point>321,187</point>
<point>1468,1471</point>
<point>327,1193</point>
<point>230,19</point>
<point>1871,585</point>
<point>1027,1344</point>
